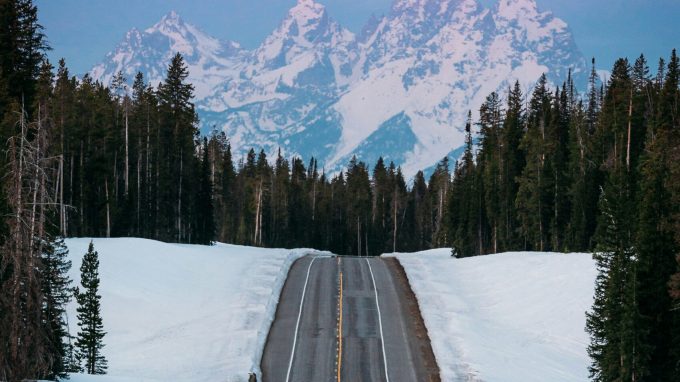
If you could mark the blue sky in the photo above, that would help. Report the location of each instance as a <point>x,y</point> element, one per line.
<point>83,31</point>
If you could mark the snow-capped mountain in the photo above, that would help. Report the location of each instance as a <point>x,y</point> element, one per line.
<point>211,62</point>
<point>400,89</point>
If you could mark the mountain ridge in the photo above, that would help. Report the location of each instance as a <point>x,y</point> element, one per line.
<point>312,87</point>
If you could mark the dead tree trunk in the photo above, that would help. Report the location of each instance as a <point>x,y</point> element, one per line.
<point>21,301</point>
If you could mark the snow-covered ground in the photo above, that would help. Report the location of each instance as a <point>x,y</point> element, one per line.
<point>183,312</point>
<point>506,317</point>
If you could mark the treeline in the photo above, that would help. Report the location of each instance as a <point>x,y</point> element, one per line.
<point>560,173</point>
<point>127,159</point>
<point>361,211</point>
<point>130,162</point>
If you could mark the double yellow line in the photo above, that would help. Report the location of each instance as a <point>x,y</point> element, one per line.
<point>339,354</point>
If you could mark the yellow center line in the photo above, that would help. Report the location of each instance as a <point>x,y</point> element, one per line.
<point>339,355</point>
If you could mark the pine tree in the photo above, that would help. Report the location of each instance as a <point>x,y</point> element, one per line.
<point>655,237</point>
<point>397,206</point>
<point>22,50</point>
<point>617,348</point>
<point>533,205</point>
<point>227,216</point>
<point>176,158</point>
<point>586,177</point>
<point>205,221</point>
<point>421,211</point>
<point>340,238</point>
<point>56,294</point>
<point>380,216</point>
<point>89,342</point>
<point>465,206</point>
<point>299,210</point>
<point>490,164</point>
<point>513,161</point>
<point>558,160</point>
<point>577,232</point>
<point>438,190</point>
<point>280,196</point>
<point>359,196</point>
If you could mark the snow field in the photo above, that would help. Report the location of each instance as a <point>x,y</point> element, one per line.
<point>176,312</point>
<point>507,317</point>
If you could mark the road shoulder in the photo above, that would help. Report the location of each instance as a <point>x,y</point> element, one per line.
<point>419,340</point>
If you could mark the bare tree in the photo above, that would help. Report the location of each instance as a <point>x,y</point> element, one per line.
<point>26,180</point>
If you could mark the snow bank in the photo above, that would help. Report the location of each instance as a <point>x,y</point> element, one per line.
<point>183,312</point>
<point>506,317</point>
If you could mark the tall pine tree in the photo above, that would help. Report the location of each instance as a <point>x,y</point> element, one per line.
<point>56,294</point>
<point>89,342</point>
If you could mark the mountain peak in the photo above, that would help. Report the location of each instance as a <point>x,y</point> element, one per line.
<point>307,9</point>
<point>171,21</point>
<point>306,27</point>
<point>430,6</point>
<point>171,17</point>
<point>513,8</point>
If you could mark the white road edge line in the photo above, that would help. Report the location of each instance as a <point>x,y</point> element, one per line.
<point>297,325</point>
<point>382,339</point>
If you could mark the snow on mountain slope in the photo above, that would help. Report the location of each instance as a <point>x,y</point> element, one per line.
<point>314,88</point>
<point>287,84</point>
<point>183,312</point>
<point>211,62</point>
<point>506,317</point>
<point>436,59</point>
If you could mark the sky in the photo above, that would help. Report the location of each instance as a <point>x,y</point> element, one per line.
<point>83,31</point>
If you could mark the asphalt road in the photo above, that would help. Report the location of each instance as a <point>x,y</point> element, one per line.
<point>381,337</point>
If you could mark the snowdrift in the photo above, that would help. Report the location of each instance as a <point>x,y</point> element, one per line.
<point>183,312</point>
<point>506,317</point>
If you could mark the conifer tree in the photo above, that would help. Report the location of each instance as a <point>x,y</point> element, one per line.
<point>299,210</point>
<point>280,196</point>
<point>89,342</point>
<point>513,161</point>
<point>56,294</point>
<point>581,216</point>
<point>464,204</point>
<point>228,215</point>
<point>22,50</point>
<point>490,162</point>
<point>438,191</point>
<point>205,221</point>
<point>397,207</point>
<point>380,216</point>
<point>340,239</point>
<point>656,243</point>
<point>533,205</point>
<point>358,213</point>
<point>558,160</point>
<point>612,320</point>
<point>177,146</point>
<point>421,211</point>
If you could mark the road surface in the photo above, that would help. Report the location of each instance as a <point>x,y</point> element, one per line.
<point>347,319</point>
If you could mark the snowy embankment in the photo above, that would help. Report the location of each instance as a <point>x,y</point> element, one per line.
<point>506,317</point>
<point>177,312</point>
